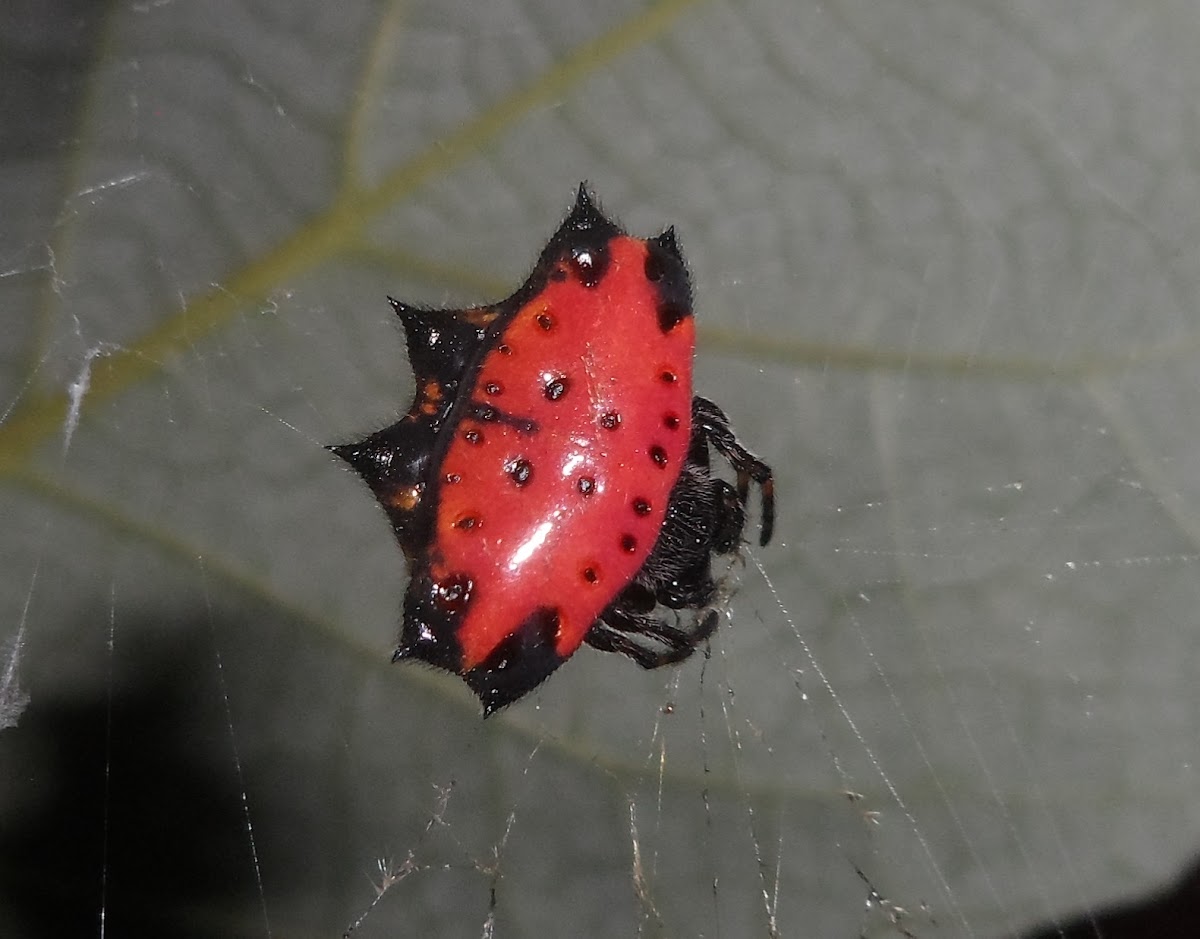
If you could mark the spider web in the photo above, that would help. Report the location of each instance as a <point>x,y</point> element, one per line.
<point>944,260</point>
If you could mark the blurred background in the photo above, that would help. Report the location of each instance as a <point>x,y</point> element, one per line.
<point>945,261</point>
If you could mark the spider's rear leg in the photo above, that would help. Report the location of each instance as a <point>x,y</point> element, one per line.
<point>616,632</point>
<point>603,637</point>
<point>710,421</point>
<point>642,624</point>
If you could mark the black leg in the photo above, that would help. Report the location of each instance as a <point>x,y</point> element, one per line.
<point>638,624</point>
<point>682,643</point>
<point>603,637</point>
<point>714,425</point>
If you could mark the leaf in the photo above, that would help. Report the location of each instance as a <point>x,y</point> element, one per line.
<point>944,257</point>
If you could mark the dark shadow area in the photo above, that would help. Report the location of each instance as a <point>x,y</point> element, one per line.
<point>1171,913</point>
<point>146,823</point>
<point>45,52</point>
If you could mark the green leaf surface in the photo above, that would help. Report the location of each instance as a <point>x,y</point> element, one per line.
<point>945,259</point>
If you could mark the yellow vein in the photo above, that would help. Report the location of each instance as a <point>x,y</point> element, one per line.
<point>383,42</point>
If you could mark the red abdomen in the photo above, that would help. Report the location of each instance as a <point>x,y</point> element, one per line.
<point>556,482</point>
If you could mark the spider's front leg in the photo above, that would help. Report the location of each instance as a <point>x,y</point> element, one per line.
<point>710,421</point>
